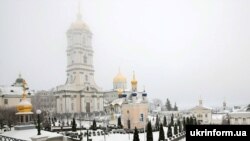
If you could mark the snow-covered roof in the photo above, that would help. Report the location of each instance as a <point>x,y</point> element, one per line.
<point>13,90</point>
<point>217,116</point>
<point>118,101</point>
<point>199,107</point>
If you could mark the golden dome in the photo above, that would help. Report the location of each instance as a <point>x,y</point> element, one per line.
<point>24,106</point>
<point>119,78</point>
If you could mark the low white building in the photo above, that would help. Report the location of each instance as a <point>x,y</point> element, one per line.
<point>203,114</point>
<point>10,95</point>
<point>241,116</point>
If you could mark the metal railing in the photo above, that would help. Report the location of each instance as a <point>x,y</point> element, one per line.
<point>4,138</point>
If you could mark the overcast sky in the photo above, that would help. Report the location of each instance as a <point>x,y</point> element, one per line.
<point>179,49</point>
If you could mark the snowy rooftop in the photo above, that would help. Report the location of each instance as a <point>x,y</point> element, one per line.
<point>12,90</point>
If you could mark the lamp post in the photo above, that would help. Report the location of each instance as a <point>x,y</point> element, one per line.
<point>38,112</point>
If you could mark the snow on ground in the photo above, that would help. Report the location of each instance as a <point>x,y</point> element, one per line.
<point>124,137</point>
<point>120,137</point>
<point>26,134</point>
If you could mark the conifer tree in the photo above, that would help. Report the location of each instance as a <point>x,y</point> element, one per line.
<point>168,105</point>
<point>74,125</point>
<point>94,125</point>
<point>187,121</point>
<point>165,121</point>
<point>191,121</point>
<point>175,129</point>
<point>136,135</point>
<point>172,120</point>
<point>169,133</point>
<point>149,132</point>
<point>184,124</point>
<point>194,121</point>
<point>179,125</point>
<point>157,123</point>
<point>161,134</point>
<point>175,107</point>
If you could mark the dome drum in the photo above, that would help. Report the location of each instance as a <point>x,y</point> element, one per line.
<point>134,94</point>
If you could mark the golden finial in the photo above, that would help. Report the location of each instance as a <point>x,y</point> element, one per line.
<point>134,82</point>
<point>24,89</point>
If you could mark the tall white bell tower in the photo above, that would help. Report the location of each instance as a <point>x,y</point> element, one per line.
<point>80,70</point>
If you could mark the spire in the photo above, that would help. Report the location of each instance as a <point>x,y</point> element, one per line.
<point>224,104</point>
<point>133,75</point>
<point>200,101</point>
<point>79,15</point>
<point>19,75</point>
<point>134,83</point>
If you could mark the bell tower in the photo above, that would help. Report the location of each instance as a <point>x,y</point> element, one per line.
<point>80,69</point>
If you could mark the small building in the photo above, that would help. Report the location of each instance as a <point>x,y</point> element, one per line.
<point>203,114</point>
<point>134,109</point>
<point>241,116</point>
<point>11,95</point>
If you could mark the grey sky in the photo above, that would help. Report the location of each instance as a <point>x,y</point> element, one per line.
<point>178,49</point>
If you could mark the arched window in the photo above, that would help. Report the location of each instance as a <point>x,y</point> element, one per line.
<point>85,59</point>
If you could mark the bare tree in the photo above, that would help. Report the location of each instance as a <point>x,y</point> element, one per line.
<point>8,116</point>
<point>157,102</point>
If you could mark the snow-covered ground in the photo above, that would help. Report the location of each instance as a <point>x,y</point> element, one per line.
<point>115,137</point>
<point>27,134</point>
<point>123,137</point>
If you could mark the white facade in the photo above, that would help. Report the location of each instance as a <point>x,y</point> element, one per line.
<point>240,116</point>
<point>80,93</point>
<point>10,96</point>
<point>202,114</point>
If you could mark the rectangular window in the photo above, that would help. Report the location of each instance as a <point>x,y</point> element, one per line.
<point>236,120</point>
<point>141,119</point>
<point>72,106</point>
<point>244,121</point>
<point>61,108</point>
<point>6,101</point>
